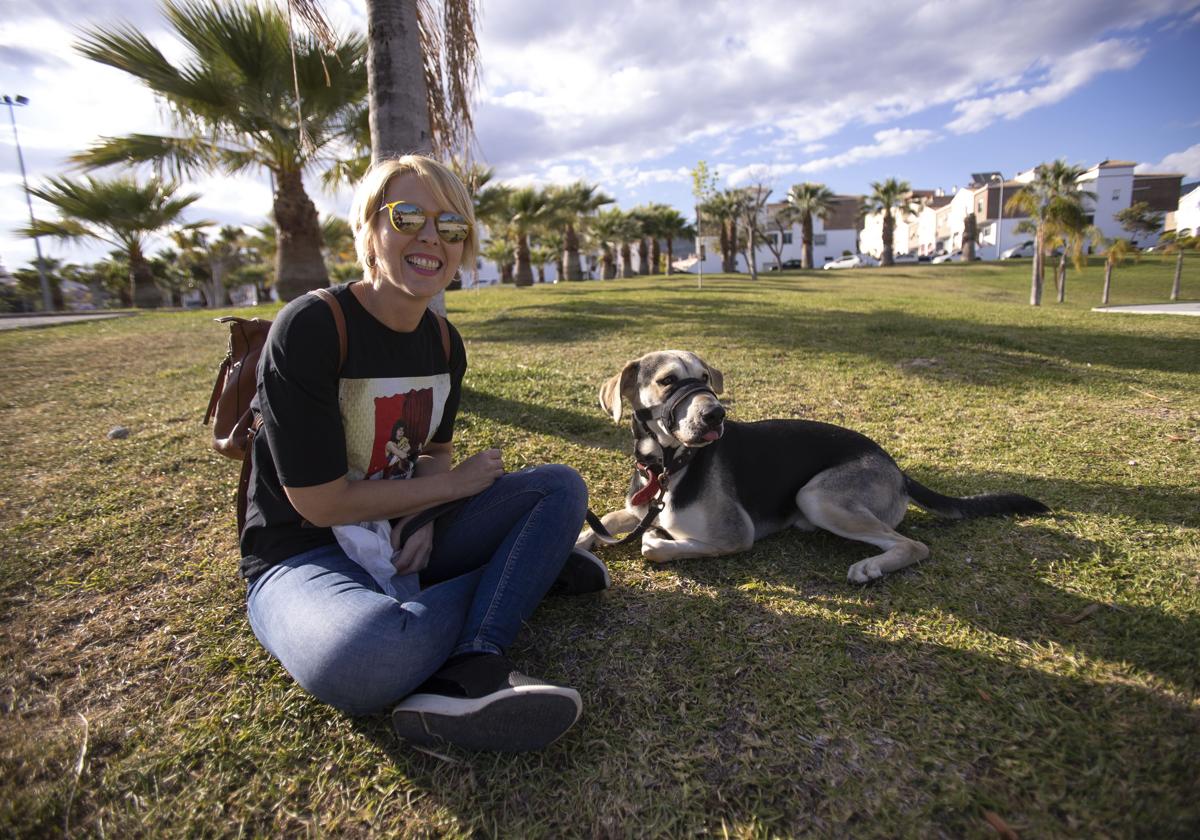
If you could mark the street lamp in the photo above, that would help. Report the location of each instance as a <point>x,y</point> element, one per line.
<point>47,302</point>
<point>1000,214</point>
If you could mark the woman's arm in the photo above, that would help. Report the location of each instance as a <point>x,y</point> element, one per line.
<point>341,501</point>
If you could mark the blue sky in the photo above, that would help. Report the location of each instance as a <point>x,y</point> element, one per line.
<point>630,94</point>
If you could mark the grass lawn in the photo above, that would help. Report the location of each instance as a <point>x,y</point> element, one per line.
<point>1041,674</point>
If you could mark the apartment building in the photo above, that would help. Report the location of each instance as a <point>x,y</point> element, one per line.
<point>1186,216</point>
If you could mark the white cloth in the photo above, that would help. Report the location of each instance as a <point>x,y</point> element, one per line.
<point>369,545</point>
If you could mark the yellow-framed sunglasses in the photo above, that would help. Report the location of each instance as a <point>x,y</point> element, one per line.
<point>409,218</point>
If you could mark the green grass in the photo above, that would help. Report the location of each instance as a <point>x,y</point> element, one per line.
<point>1045,670</point>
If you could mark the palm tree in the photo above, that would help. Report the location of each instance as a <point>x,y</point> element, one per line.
<point>630,231</point>
<point>970,234</point>
<point>607,230</point>
<point>809,201</point>
<point>530,210</point>
<point>122,212</point>
<point>233,104</point>
<point>1052,180</point>
<point>576,204</point>
<point>499,250</point>
<point>643,215</point>
<point>722,208</point>
<point>214,258</point>
<point>1116,251</point>
<point>1173,243</point>
<point>890,197</point>
<point>672,225</point>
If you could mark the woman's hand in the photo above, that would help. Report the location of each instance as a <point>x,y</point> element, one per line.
<point>413,556</point>
<point>478,473</point>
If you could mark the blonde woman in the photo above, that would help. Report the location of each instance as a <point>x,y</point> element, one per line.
<point>437,659</point>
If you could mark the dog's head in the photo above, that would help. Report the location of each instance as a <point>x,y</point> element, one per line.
<point>659,386</point>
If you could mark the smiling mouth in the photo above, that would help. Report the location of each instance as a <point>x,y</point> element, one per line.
<point>423,264</point>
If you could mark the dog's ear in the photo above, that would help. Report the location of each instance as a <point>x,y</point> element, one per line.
<point>716,379</point>
<point>617,387</point>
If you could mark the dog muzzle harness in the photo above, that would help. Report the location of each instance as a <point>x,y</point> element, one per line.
<point>657,473</point>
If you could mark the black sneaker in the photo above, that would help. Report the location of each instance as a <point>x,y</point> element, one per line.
<point>582,573</point>
<point>483,703</point>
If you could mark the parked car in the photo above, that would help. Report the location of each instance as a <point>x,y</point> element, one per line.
<point>788,265</point>
<point>1025,249</point>
<point>904,258</point>
<point>852,261</point>
<point>953,256</point>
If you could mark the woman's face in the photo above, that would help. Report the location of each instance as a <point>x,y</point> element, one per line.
<point>418,264</point>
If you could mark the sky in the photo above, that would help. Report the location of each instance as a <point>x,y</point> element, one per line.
<point>631,94</point>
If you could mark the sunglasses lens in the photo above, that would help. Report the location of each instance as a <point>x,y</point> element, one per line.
<point>407,218</point>
<point>453,227</point>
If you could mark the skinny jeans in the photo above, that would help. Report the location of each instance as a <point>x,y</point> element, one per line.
<point>352,646</point>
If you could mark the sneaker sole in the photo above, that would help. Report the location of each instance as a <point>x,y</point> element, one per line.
<point>517,719</point>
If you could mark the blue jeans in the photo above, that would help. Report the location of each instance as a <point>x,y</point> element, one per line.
<point>327,622</point>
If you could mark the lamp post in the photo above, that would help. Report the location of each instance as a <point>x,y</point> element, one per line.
<point>999,215</point>
<point>47,302</point>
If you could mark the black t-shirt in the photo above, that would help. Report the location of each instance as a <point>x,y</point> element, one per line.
<point>393,396</point>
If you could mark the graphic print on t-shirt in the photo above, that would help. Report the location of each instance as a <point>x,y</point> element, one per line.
<point>388,422</point>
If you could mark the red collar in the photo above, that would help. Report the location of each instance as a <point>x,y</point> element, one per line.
<point>654,484</point>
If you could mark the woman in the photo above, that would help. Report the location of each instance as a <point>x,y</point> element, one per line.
<point>483,567</point>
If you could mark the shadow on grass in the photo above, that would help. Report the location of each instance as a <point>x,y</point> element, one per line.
<point>706,707</point>
<point>575,426</point>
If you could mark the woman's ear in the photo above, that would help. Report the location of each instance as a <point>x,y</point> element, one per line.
<point>617,387</point>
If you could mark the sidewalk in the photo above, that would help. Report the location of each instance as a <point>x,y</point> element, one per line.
<point>17,322</point>
<point>1154,309</point>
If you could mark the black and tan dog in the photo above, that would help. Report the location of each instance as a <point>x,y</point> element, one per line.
<point>723,485</point>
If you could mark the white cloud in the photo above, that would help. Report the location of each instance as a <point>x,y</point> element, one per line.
<point>1186,163</point>
<point>1063,77</point>
<point>891,142</point>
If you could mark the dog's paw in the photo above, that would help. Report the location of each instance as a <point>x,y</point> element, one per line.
<point>865,571</point>
<point>586,541</point>
<point>656,550</point>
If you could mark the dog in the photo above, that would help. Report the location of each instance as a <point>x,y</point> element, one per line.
<point>723,485</point>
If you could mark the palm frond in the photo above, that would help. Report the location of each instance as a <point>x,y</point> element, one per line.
<point>178,156</point>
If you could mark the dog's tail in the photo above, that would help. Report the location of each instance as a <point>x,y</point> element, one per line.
<point>969,507</point>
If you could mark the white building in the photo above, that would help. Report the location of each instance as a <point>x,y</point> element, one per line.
<point>832,238</point>
<point>906,236</point>
<point>1186,218</point>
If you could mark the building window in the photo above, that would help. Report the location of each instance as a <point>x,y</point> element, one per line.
<point>787,238</point>
<point>818,239</point>
<point>774,239</point>
<point>1116,195</point>
<point>979,207</point>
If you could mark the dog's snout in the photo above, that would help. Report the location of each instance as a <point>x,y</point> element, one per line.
<point>713,415</point>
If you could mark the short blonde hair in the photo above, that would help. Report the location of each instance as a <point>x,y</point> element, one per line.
<point>437,178</point>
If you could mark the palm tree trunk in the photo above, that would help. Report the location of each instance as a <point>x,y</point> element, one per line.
<point>396,91</point>
<point>626,261</point>
<point>889,232</point>
<point>506,273</point>
<point>643,257</point>
<point>573,270</point>
<point>142,290</point>
<point>1060,277</point>
<point>806,233</point>
<point>726,258</point>
<point>524,268</point>
<point>1175,287</point>
<point>299,266</point>
<point>655,256</point>
<point>608,271</point>
<point>670,256</point>
<point>396,80</point>
<point>1035,286</point>
<point>541,273</point>
<point>1108,269</point>
<point>215,291</point>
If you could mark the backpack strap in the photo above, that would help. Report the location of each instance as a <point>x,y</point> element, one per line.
<point>339,320</point>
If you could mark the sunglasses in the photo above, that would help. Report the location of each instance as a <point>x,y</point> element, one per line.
<point>407,217</point>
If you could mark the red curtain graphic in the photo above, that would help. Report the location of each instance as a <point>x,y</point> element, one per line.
<point>415,408</point>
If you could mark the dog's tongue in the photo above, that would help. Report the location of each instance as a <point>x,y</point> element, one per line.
<point>712,435</point>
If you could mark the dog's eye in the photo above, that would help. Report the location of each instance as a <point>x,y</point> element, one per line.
<point>668,380</point>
